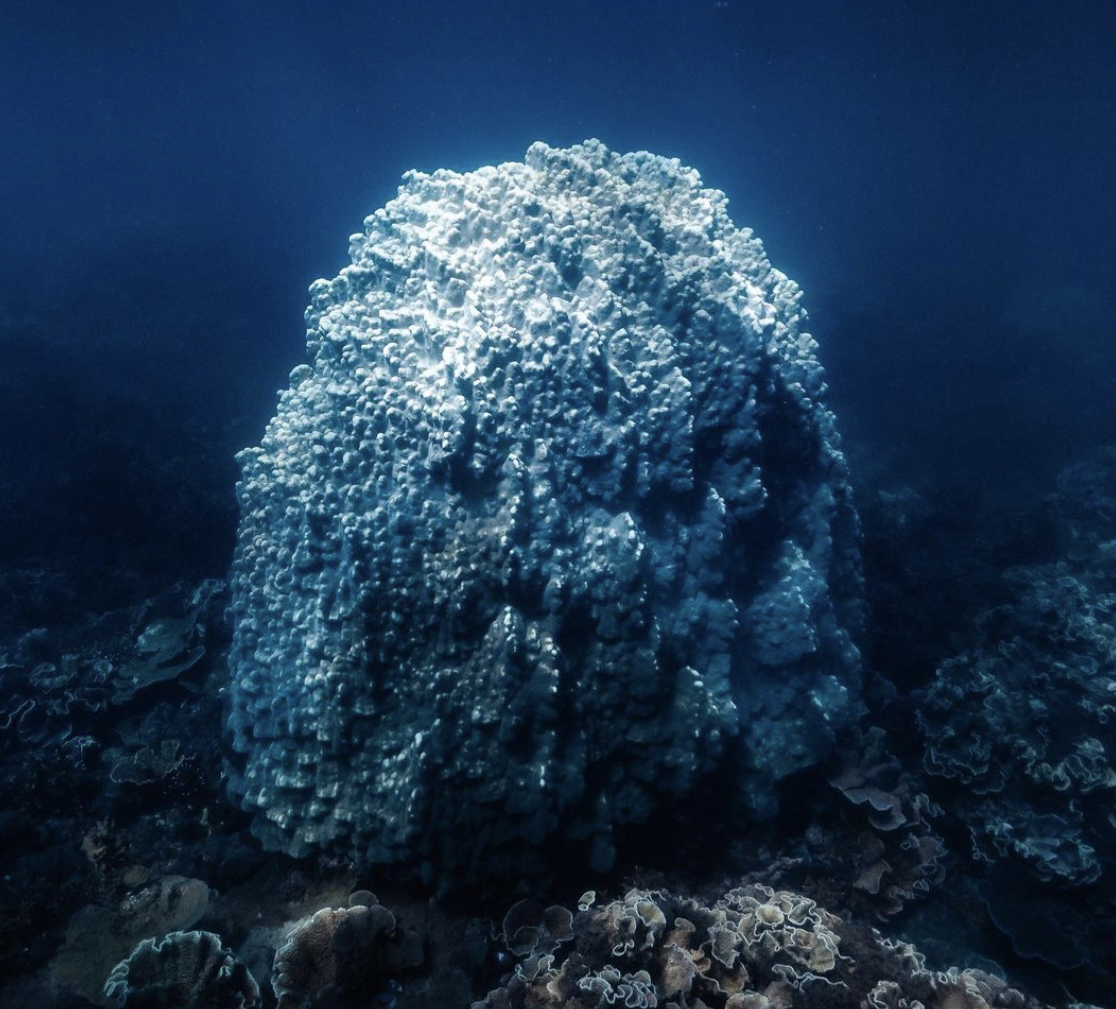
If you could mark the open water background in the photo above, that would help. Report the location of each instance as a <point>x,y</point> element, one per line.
<point>936,176</point>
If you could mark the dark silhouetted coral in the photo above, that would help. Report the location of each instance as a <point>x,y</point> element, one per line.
<point>1019,731</point>
<point>885,845</point>
<point>531,928</point>
<point>342,957</point>
<point>148,764</point>
<point>99,935</point>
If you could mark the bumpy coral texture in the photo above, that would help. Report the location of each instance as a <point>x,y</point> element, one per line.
<point>554,525</point>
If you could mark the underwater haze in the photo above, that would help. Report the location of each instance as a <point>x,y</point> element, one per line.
<point>935,176</point>
<point>540,556</point>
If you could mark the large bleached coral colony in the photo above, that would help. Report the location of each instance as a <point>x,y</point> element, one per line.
<point>548,579</point>
<point>554,527</point>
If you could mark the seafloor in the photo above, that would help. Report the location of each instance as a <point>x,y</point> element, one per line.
<point>969,814</point>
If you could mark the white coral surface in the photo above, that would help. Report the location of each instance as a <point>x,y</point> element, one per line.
<point>553,527</point>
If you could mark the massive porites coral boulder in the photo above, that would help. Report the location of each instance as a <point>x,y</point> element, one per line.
<point>554,525</point>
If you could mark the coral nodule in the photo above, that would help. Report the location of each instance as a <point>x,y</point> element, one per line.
<point>554,526</point>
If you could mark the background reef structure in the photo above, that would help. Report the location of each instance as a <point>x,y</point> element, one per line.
<point>554,529</point>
